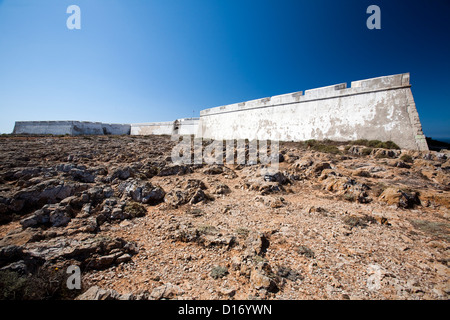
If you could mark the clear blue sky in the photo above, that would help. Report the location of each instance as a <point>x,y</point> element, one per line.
<point>158,60</point>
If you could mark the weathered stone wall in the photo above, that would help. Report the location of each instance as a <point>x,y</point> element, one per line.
<point>375,109</point>
<point>186,126</point>
<point>70,128</point>
<point>43,127</point>
<point>153,128</point>
<point>116,129</point>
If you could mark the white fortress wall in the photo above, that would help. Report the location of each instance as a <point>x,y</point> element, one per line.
<point>375,109</point>
<point>116,129</point>
<point>154,128</point>
<point>43,127</point>
<point>69,128</point>
<point>187,126</point>
<point>86,128</point>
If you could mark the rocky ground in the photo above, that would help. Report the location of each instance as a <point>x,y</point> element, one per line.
<point>337,221</point>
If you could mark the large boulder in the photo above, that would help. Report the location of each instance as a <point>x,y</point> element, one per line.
<point>175,170</point>
<point>50,215</point>
<point>47,192</point>
<point>142,191</point>
<point>277,177</point>
<point>262,277</point>
<point>400,198</point>
<point>91,253</point>
<point>190,191</point>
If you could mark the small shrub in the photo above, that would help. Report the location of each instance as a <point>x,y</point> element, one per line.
<point>219,272</point>
<point>242,232</point>
<point>360,142</point>
<point>326,148</point>
<point>135,209</point>
<point>406,158</point>
<point>207,229</point>
<point>152,171</point>
<point>288,273</point>
<point>195,212</point>
<point>390,145</point>
<point>12,286</point>
<point>350,197</point>
<point>45,284</point>
<point>354,221</point>
<point>305,251</point>
<point>433,228</point>
<point>375,144</point>
<point>258,259</point>
<point>310,143</point>
<point>378,189</point>
<point>366,151</point>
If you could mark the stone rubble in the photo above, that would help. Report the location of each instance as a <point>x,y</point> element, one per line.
<point>351,225</point>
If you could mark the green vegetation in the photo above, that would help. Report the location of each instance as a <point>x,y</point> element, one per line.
<point>349,197</point>
<point>135,209</point>
<point>332,147</point>
<point>195,212</point>
<point>219,272</point>
<point>305,251</point>
<point>326,149</point>
<point>354,221</point>
<point>366,151</point>
<point>242,232</point>
<point>207,229</point>
<point>436,229</point>
<point>12,286</point>
<point>374,144</point>
<point>258,259</point>
<point>406,158</point>
<point>45,284</point>
<point>325,146</point>
<point>381,155</point>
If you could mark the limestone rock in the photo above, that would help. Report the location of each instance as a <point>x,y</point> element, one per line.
<point>256,244</point>
<point>262,277</point>
<point>402,199</point>
<point>49,215</point>
<point>167,291</point>
<point>277,177</point>
<point>142,191</point>
<point>50,191</point>
<point>213,170</point>
<point>175,170</point>
<point>97,293</point>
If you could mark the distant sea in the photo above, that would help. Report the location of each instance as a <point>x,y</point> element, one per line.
<point>447,140</point>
